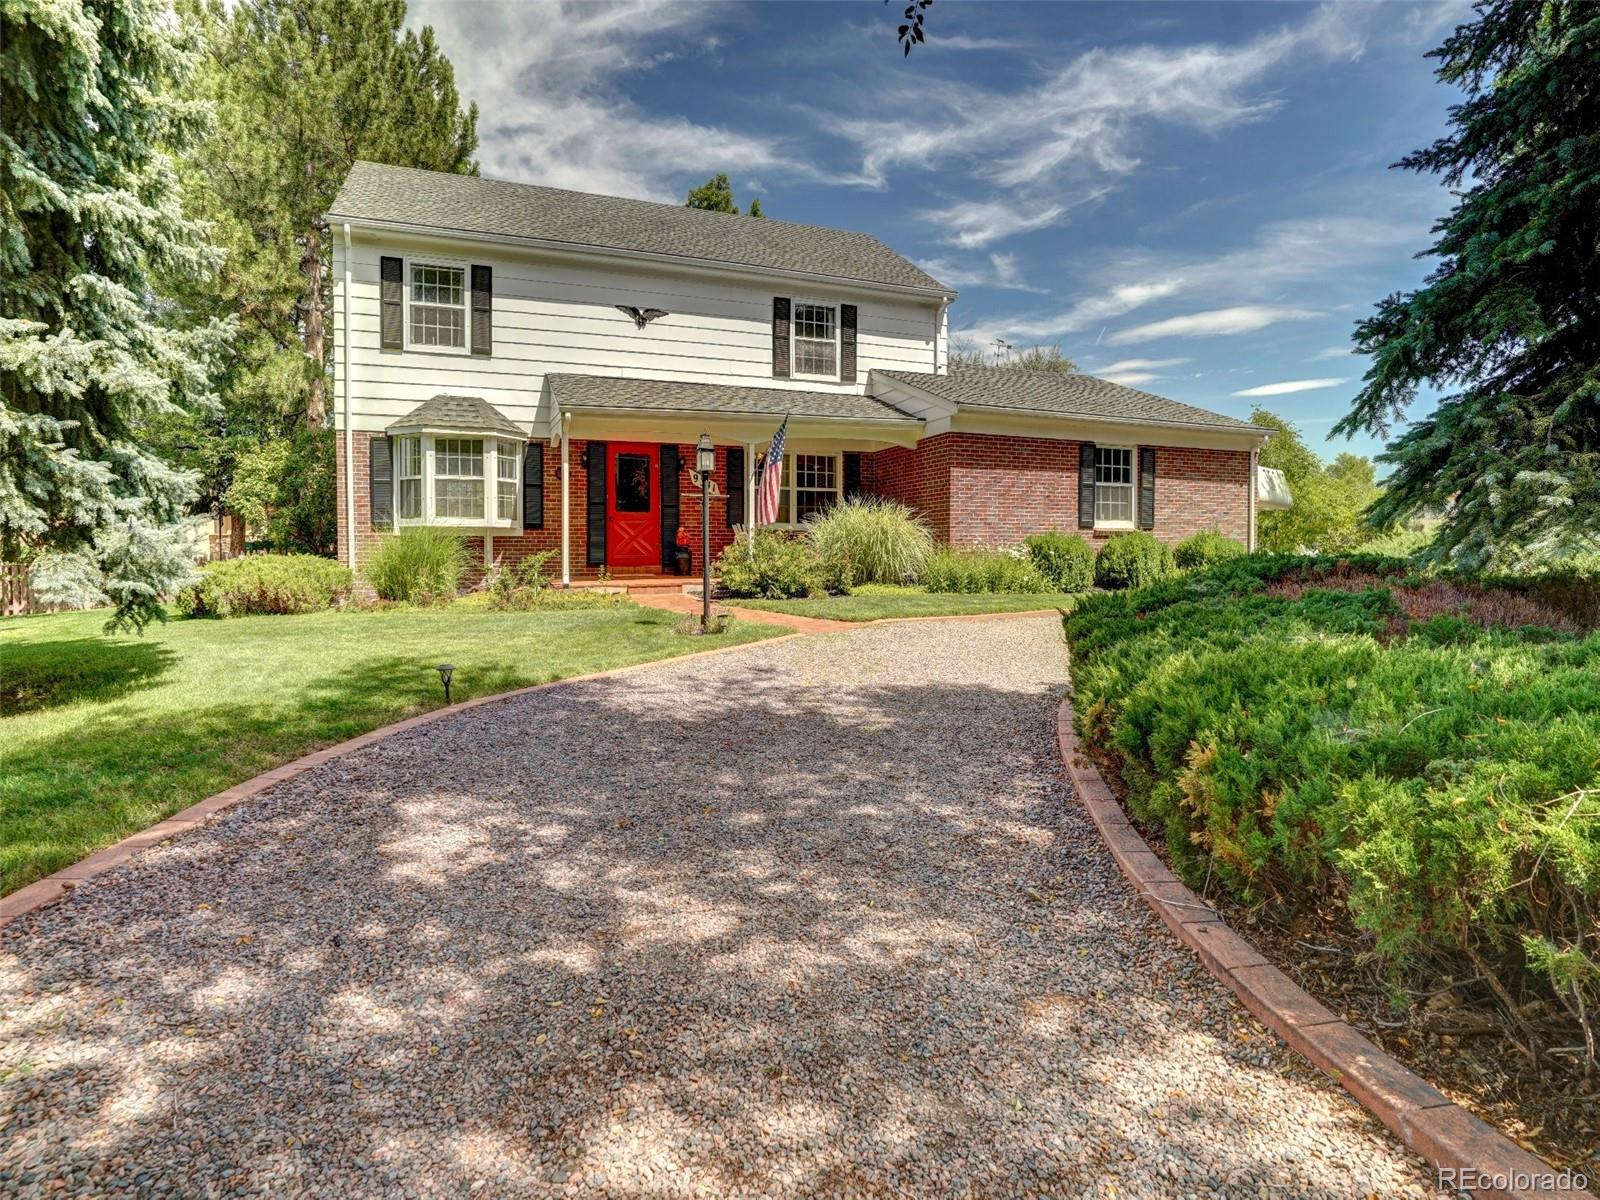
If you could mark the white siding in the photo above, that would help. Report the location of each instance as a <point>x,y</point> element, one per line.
<point>556,313</point>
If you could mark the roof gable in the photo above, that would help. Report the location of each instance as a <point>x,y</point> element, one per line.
<point>494,207</point>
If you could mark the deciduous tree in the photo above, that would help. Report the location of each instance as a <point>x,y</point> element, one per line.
<point>716,195</point>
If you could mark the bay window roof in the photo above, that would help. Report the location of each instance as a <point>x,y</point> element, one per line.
<point>468,414</point>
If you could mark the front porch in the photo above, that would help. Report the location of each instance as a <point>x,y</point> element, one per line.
<point>623,450</point>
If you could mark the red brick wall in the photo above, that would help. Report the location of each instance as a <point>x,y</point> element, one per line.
<point>989,490</point>
<point>511,547</point>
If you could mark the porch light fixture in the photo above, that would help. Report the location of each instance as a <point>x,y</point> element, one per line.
<point>445,671</point>
<point>705,461</point>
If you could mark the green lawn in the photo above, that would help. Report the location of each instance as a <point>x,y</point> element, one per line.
<point>877,602</point>
<point>104,736</point>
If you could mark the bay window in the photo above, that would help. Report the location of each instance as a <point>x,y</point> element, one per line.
<point>444,479</point>
<point>1113,487</point>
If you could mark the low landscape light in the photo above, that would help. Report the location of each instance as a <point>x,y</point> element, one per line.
<point>445,671</point>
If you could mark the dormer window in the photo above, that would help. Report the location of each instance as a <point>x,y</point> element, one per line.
<point>816,340</point>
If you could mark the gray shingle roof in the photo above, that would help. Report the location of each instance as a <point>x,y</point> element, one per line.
<point>468,204</point>
<point>1051,392</point>
<point>604,391</point>
<point>468,413</point>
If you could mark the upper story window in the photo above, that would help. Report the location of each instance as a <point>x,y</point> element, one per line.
<point>815,343</point>
<point>438,296</point>
<point>1113,487</point>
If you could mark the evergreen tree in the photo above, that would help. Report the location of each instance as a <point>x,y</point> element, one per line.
<point>1509,321</point>
<point>90,225</point>
<point>301,89</point>
<point>716,195</point>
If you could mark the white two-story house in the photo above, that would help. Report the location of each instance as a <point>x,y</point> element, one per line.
<point>535,366</point>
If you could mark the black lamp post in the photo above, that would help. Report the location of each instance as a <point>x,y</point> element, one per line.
<point>705,461</point>
<point>445,671</point>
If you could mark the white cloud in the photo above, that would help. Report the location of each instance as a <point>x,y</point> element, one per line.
<point>1286,257</point>
<point>972,223</point>
<point>1216,322</point>
<point>1127,378</point>
<point>1289,386</point>
<point>1085,314</point>
<point>1000,271</point>
<point>1079,127</point>
<point>1141,364</point>
<point>551,106</point>
<point>1333,352</point>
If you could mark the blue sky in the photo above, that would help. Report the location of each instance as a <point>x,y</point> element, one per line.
<point>1190,198</point>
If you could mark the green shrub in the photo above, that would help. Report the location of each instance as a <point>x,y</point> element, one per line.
<point>1064,559</point>
<point>1204,548</point>
<point>780,566</point>
<point>265,584</point>
<point>551,599</point>
<point>419,565</point>
<point>974,571</point>
<point>1133,560</point>
<point>1315,732</point>
<point>871,540</point>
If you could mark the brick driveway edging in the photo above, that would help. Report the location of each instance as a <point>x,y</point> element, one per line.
<point>1421,1116</point>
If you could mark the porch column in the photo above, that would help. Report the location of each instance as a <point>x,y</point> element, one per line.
<point>566,513</point>
<point>750,494</point>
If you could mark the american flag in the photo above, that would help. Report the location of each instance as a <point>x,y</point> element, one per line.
<point>772,478</point>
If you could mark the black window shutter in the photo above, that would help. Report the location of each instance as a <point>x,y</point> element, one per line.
<point>380,482</point>
<point>847,343</point>
<point>669,505</point>
<point>595,464</point>
<point>1147,487</point>
<point>482,309</point>
<point>736,485</point>
<point>391,302</point>
<point>852,474</point>
<point>533,486</point>
<point>780,337</point>
<point>1086,485</point>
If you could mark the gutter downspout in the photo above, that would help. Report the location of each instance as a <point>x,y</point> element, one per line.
<point>344,415</point>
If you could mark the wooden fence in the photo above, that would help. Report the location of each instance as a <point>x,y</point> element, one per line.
<point>17,599</point>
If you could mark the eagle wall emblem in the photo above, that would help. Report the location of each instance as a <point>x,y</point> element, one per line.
<point>641,316</point>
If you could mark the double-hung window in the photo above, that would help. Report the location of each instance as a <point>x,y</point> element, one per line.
<point>458,479</point>
<point>507,480</point>
<point>815,341</point>
<point>438,306</point>
<point>811,485</point>
<point>408,478</point>
<point>1113,487</point>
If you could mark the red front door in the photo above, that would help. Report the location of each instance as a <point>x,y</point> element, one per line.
<point>633,505</point>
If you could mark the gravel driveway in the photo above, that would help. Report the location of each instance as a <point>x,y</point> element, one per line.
<point>815,918</point>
